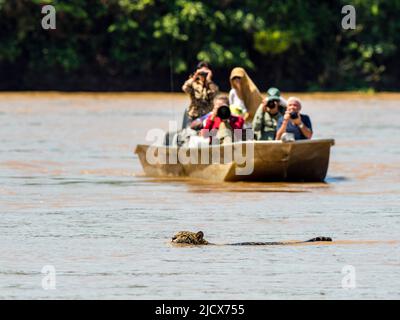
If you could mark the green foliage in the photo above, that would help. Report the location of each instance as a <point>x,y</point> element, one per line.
<point>297,45</point>
<point>272,41</point>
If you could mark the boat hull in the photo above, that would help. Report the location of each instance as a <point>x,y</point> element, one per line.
<point>305,160</point>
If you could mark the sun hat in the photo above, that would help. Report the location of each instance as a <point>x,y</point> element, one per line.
<point>273,94</point>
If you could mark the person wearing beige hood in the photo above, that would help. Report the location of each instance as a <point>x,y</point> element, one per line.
<point>244,97</point>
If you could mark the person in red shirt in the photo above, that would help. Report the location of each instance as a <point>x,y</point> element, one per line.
<point>220,123</point>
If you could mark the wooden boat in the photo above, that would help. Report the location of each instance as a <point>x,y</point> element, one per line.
<point>303,160</point>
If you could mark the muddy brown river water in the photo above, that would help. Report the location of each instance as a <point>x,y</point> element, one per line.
<point>74,200</point>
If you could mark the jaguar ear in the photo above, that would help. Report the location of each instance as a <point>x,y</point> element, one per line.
<point>200,235</point>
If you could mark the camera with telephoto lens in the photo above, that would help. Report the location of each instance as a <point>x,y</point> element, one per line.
<point>294,115</point>
<point>224,112</point>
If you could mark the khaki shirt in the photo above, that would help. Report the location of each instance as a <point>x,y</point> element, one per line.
<point>265,124</point>
<point>201,97</point>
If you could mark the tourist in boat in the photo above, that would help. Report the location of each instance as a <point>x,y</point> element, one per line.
<point>200,122</point>
<point>265,120</point>
<point>202,91</point>
<point>244,97</point>
<point>275,92</point>
<point>293,125</point>
<point>221,124</point>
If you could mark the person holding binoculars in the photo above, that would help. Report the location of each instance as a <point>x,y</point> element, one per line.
<point>268,113</point>
<point>294,125</point>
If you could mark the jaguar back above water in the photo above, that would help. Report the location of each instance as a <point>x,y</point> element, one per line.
<point>197,239</point>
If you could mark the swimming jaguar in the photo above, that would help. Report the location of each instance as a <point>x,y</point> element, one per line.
<point>197,239</point>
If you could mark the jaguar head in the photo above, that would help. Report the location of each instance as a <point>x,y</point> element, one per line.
<point>187,237</point>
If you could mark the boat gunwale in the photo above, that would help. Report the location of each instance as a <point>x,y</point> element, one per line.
<point>238,143</point>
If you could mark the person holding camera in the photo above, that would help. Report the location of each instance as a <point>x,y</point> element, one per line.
<point>293,123</point>
<point>202,91</point>
<point>265,120</point>
<point>221,123</point>
<point>275,92</point>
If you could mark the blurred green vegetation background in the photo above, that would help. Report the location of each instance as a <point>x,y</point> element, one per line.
<point>153,45</point>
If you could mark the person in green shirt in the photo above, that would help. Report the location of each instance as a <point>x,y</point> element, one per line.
<point>266,118</point>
